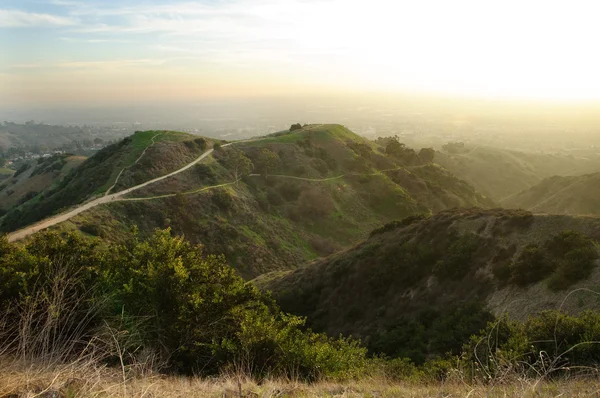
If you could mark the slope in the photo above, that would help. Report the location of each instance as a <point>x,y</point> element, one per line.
<point>560,195</point>
<point>115,167</point>
<point>423,270</point>
<point>499,173</point>
<point>276,202</point>
<point>35,178</point>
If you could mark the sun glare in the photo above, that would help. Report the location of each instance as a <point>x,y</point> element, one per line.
<point>508,49</point>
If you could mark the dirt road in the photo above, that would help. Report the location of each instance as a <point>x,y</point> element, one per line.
<point>23,233</point>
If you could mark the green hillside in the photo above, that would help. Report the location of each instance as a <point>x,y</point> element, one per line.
<point>34,178</point>
<point>299,195</point>
<point>448,269</point>
<point>126,160</point>
<point>499,173</point>
<point>560,195</point>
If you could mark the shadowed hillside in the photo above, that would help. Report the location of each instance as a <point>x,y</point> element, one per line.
<point>452,266</point>
<point>499,173</point>
<point>560,195</point>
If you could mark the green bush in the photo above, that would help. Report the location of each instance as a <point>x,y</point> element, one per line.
<point>531,266</point>
<point>458,259</point>
<point>432,333</point>
<point>222,199</point>
<point>170,298</point>
<point>550,344</point>
<point>564,259</point>
<point>574,257</point>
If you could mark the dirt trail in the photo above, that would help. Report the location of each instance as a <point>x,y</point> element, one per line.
<point>49,222</point>
<point>132,164</point>
<point>118,197</point>
<point>170,195</point>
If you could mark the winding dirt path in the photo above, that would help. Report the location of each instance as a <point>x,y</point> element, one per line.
<point>132,164</point>
<point>170,195</point>
<point>118,197</point>
<point>49,222</point>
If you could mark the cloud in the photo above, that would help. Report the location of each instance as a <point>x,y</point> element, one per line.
<point>113,64</point>
<point>22,19</point>
<point>78,40</point>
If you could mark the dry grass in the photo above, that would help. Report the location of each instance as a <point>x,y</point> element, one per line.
<point>86,380</point>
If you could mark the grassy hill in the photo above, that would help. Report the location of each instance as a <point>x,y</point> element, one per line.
<point>576,195</point>
<point>499,173</point>
<point>34,178</point>
<point>444,273</point>
<point>302,195</point>
<point>125,161</point>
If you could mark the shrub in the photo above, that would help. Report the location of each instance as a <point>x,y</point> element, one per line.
<point>205,173</point>
<point>315,203</point>
<point>321,166</point>
<point>432,333</point>
<point>574,256</point>
<point>566,258</point>
<point>531,266</point>
<point>550,344</point>
<point>458,259</point>
<point>171,298</point>
<point>398,224</point>
<point>201,143</point>
<point>91,228</point>
<point>290,191</point>
<point>222,199</point>
<point>274,197</point>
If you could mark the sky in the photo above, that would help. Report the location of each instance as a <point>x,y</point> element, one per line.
<point>73,53</point>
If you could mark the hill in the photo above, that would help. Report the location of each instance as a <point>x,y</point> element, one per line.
<point>35,177</point>
<point>113,168</point>
<point>576,195</point>
<point>499,173</point>
<point>445,273</point>
<point>281,200</point>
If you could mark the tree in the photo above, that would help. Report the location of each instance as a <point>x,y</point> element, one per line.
<point>454,147</point>
<point>426,155</point>
<point>98,141</point>
<point>395,148</point>
<point>266,161</point>
<point>400,151</point>
<point>296,126</point>
<point>236,162</point>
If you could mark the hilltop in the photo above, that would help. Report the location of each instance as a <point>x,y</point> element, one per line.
<point>576,195</point>
<point>112,169</point>
<point>449,272</point>
<point>269,203</point>
<point>499,173</point>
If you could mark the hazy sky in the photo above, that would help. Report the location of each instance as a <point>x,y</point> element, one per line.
<point>84,52</point>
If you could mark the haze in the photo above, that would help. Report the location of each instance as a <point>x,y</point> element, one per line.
<point>100,52</point>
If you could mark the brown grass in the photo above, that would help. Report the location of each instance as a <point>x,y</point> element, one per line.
<point>87,380</point>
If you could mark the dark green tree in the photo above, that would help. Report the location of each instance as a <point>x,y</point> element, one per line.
<point>266,161</point>
<point>426,155</point>
<point>236,162</point>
